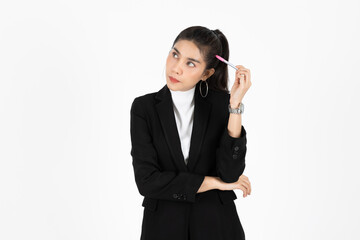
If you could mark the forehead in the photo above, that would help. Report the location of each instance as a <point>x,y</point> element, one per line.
<point>188,49</point>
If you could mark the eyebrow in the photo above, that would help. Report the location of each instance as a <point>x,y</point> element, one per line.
<point>188,58</point>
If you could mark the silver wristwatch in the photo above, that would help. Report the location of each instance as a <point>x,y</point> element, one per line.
<point>239,110</point>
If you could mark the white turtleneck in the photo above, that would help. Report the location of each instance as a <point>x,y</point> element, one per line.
<point>183,102</point>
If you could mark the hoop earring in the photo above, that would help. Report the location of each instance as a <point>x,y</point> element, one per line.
<point>207,88</point>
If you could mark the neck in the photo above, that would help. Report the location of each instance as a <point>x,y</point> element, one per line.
<point>183,97</point>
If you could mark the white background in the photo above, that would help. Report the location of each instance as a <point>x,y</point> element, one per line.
<point>69,71</point>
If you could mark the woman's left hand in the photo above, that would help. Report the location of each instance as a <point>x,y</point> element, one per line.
<point>241,85</point>
<point>243,183</point>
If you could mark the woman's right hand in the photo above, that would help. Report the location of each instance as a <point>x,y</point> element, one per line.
<point>242,183</point>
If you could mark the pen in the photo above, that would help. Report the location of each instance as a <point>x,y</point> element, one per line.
<point>223,60</point>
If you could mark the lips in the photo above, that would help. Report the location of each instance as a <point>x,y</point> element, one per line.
<point>174,80</point>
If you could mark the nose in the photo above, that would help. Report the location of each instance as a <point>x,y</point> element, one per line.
<point>177,68</point>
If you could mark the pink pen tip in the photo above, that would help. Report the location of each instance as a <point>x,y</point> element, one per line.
<point>220,58</point>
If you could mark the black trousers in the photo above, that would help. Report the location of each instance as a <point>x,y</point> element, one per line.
<point>208,218</point>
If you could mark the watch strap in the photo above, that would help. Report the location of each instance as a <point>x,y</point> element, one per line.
<point>238,110</point>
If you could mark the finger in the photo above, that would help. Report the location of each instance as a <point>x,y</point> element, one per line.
<point>243,70</point>
<point>249,187</point>
<point>241,73</point>
<point>239,76</point>
<point>237,80</point>
<point>242,79</point>
<point>246,179</point>
<point>240,67</point>
<point>244,183</point>
<point>245,186</point>
<point>243,189</point>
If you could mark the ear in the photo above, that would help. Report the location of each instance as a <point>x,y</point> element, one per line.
<point>208,73</point>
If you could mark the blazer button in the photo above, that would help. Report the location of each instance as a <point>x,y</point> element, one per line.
<point>175,195</point>
<point>236,148</point>
<point>235,156</point>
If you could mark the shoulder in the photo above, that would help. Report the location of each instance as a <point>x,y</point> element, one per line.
<point>146,98</point>
<point>219,97</point>
<point>219,94</point>
<point>143,102</point>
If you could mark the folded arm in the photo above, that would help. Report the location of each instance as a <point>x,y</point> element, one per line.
<point>150,179</point>
<point>230,155</point>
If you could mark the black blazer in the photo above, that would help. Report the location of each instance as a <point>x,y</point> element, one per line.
<point>161,174</point>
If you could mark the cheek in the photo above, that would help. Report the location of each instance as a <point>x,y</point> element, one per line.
<point>169,61</point>
<point>193,73</point>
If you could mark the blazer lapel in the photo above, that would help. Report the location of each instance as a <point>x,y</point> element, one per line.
<point>167,118</point>
<point>201,118</point>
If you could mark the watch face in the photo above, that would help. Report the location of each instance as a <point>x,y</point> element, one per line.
<point>237,110</point>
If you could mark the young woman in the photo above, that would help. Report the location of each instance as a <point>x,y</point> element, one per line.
<point>188,147</point>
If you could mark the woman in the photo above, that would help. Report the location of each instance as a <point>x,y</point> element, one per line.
<point>188,151</point>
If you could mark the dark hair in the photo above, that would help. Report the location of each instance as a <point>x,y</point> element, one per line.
<point>210,43</point>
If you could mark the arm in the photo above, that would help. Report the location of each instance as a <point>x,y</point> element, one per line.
<point>209,183</point>
<point>150,179</point>
<point>230,156</point>
<point>234,125</point>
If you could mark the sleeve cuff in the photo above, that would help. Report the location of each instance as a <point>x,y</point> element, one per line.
<point>229,141</point>
<point>195,181</point>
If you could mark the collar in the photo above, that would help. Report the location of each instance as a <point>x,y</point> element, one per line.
<point>164,108</point>
<point>183,98</point>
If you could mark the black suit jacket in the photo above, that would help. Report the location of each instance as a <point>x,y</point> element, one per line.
<point>161,174</point>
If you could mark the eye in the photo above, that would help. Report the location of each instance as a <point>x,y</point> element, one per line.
<point>174,53</point>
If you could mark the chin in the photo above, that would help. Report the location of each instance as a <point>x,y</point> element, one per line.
<point>170,86</point>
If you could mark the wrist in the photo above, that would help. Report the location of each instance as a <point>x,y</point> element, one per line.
<point>216,183</point>
<point>235,103</point>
